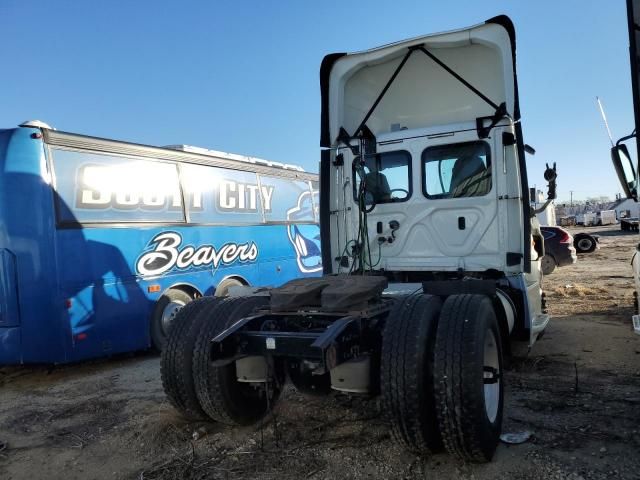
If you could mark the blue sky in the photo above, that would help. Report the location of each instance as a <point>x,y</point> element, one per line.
<point>242,76</point>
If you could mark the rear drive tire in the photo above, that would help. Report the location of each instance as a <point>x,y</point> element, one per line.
<point>584,243</point>
<point>175,362</point>
<point>221,396</point>
<point>469,391</point>
<point>164,313</point>
<point>406,368</point>
<point>548,264</point>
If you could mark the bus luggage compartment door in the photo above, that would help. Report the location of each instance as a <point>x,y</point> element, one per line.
<point>9,313</point>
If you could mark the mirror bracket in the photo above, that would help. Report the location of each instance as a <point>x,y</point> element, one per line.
<point>550,176</point>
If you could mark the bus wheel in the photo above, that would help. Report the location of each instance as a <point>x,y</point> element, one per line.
<point>468,377</point>
<point>175,362</point>
<point>222,290</point>
<point>406,366</point>
<point>221,395</point>
<point>164,313</point>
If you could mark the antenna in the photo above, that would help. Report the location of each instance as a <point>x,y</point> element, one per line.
<point>604,118</point>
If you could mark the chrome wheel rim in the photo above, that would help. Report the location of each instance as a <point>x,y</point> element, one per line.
<point>169,314</point>
<point>491,376</point>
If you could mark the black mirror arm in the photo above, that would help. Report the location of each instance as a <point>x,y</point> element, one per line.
<point>624,139</point>
<point>550,176</point>
<point>541,209</point>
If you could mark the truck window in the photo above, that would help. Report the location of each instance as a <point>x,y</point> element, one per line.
<point>387,177</point>
<point>457,170</point>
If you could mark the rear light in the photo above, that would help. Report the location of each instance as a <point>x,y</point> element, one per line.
<point>565,237</point>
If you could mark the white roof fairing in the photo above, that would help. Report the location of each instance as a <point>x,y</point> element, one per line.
<point>423,94</point>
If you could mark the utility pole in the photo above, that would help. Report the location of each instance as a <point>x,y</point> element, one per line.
<point>571,192</point>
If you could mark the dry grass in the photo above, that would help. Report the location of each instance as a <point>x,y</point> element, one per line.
<point>577,290</point>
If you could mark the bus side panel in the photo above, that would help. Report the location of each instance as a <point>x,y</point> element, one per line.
<point>9,313</point>
<point>26,230</point>
<point>10,346</point>
<point>107,307</point>
<point>112,277</point>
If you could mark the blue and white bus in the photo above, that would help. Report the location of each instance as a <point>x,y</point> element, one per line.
<point>102,241</point>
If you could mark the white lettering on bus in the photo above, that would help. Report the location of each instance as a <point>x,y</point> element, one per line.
<point>239,197</point>
<point>167,254</point>
<point>95,198</point>
<point>101,188</point>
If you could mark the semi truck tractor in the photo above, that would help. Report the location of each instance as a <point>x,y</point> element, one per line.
<point>430,248</point>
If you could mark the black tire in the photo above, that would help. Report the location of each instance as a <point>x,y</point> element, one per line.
<point>175,362</point>
<point>222,290</point>
<point>406,366</point>
<point>466,426</point>
<point>548,264</point>
<point>159,327</point>
<point>584,243</point>
<point>221,396</point>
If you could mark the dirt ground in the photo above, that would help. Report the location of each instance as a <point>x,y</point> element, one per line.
<point>578,392</point>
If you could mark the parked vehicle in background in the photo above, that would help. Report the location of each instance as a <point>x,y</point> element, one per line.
<point>629,223</point>
<point>102,242</point>
<point>558,249</point>
<point>585,243</point>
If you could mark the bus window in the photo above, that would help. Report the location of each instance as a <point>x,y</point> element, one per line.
<point>217,195</point>
<point>100,188</point>
<point>290,200</point>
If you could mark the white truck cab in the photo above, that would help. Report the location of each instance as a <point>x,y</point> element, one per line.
<point>445,182</point>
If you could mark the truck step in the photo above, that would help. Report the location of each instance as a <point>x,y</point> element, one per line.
<point>540,323</point>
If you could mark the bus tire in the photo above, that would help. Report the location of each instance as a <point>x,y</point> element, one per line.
<point>469,390</point>
<point>175,361</point>
<point>222,290</point>
<point>406,367</point>
<point>164,314</point>
<point>221,396</point>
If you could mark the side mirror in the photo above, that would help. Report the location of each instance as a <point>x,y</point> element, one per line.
<point>550,176</point>
<point>625,170</point>
<point>529,149</point>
